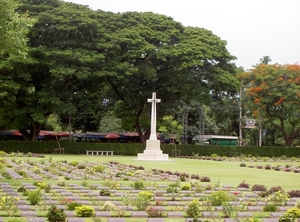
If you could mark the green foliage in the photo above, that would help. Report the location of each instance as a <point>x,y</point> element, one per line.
<point>55,214</point>
<point>74,163</point>
<point>218,197</point>
<point>8,204</point>
<point>270,208</point>
<point>14,28</point>
<point>142,200</point>
<point>99,168</point>
<point>186,186</point>
<point>146,195</point>
<point>73,205</point>
<point>104,192</point>
<point>278,198</point>
<point>84,211</point>
<point>138,185</point>
<point>193,209</point>
<point>228,209</point>
<point>171,128</point>
<point>110,123</point>
<point>111,183</point>
<point>34,196</point>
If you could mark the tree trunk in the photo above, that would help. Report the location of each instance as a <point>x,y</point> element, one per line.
<point>33,134</point>
<point>288,139</point>
<point>142,137</point>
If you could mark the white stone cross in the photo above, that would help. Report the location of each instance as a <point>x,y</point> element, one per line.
<point>153,100</point>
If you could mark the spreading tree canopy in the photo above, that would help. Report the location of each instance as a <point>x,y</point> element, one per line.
<point>63,61</point>
<point>83,62</point>
<point>154,53</point>
<point>273,92</point>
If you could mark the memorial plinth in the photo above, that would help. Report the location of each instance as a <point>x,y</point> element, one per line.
<point>153,151</point>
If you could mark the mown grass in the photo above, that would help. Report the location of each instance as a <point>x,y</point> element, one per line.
<point>227,172</point>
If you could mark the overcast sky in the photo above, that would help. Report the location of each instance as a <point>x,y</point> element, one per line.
<point>252,28</point>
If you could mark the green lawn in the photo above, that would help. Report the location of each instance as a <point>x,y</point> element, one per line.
<point>223,172</point>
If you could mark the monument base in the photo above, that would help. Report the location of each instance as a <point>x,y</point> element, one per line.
<point>152,151</point>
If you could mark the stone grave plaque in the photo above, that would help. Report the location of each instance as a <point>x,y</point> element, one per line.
<point>139,214</point>
<point>269,220</point>
<point>36,219</point>
<point>74,219</point>
<point>255,208</point>
<point>115,220</point>
<point>275,214</point>
<point>210,214</point>
<point>24,207</point>
<point>243,214</point>
<point>28,213</point>
<point>174,214</point>
<point>103,214</point>
<point>155,220</point>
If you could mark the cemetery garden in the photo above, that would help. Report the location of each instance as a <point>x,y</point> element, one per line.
<point>83,188</point>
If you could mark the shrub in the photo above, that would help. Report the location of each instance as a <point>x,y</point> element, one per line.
<point>205,179</point>
<point>243,165</point>
<point>34,196</point>
<point>61,182</point>
<point>258,187</point>
<point>278,198</point>
<point>270,208</point>
<point>290,216</point>
<point>218,197</point>
<point>74,163</point>
<point>243,185</point>
<point>22,189</point>
<point>73,205</point>
<point>147,194</point>
<point>142,200</point>
<point>138,185</point>
<point>294,193</point>
<point>154,212</point>
<point>268,167</point>
<point>108,206</point>
<point>104,192</point>
<point>56,215</point>
<point>111,184</point>
<point>99,168</point>
<point>186,186</point>
<point>275,189</point>
<point>193,209</point>
<point>227,209</point>
<point>81,166</point>
<point>84,211</point>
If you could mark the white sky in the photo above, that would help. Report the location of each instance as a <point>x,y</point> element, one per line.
<point>252,28</point>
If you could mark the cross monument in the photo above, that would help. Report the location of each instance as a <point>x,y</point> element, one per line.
<point>153,151</point>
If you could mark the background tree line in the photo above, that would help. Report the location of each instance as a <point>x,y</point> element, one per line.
<point>90,66</point>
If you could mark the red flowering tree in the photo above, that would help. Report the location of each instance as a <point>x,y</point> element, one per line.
<point>273,92</point>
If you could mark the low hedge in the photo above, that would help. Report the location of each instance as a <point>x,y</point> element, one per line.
<point>132,149</point>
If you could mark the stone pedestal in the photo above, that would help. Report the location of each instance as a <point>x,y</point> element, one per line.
<point>152,151</point>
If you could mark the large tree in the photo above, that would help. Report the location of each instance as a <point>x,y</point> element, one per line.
<point>153,53</point>
<point>273,94</point>
<point>63,61</point>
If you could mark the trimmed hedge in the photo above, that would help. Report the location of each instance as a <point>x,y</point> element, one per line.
<point>132,149</point>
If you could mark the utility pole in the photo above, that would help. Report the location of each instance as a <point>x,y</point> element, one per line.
<point>240,120</point>
<point>201,124</point>
<point>185,114</point>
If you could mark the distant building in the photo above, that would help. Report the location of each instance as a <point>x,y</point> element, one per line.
<point>216,140</point>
